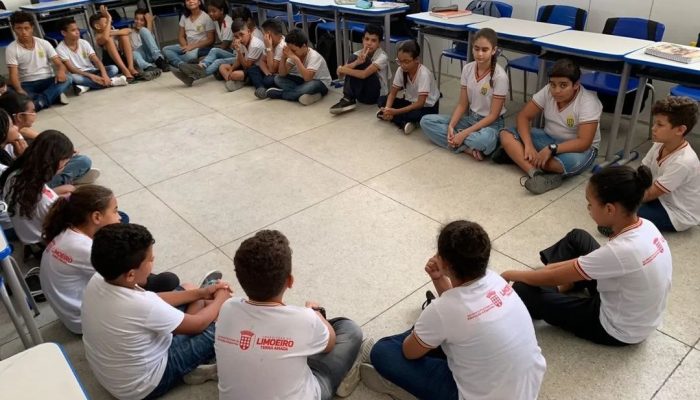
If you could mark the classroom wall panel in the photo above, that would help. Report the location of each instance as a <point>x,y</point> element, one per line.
<point>680,18</point>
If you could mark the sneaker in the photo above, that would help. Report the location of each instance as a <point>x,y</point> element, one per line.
<point>201,374</point>
<point>194,71</point>
<point>274,93</point>
<point>380,114</point>
<point>352,378</point>
<point>232,86</point>
<point>63,99</point>
<point>499,156</point>
<point>80,89</point>
<point>408,128</point>
<point>211,278</point>
<point>89,177</point>
<point>182,76</point>
<point>150,74</point>
<point>605,231</point>
<point>377,383</point>
<point>119,81</point>
<point>309,99</point>
<point>261,93</point>
<point>34,285</point>
<point>162,64</point>
<point>344,105</point>
<point>542,183</point>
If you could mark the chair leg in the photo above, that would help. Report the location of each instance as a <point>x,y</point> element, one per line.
<point>439,70</point>
<point>653,100</point>
<point>524,86</point>
<point>510,82</point>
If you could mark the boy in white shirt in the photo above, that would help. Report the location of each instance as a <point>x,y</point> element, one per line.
<point>29,62</point>
<point>303,73</point>
<point>569,142</point>
<point>475,341</point>
<point>147,54</point>
<point>249,51</point>
<point>138,344</point>
<point>85,67</point>
<point>262,337</point>
<point>421,94</point>
<point>366,73</point>
<point>262,76</point>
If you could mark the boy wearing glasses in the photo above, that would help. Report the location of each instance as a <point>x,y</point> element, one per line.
<point>421,94</point>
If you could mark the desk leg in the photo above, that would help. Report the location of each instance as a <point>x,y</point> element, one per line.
<point>346,45</point>
<point>638,97</point>
<point>290,16</point>
<point>19,300</point>
<point>387,33</point>
<point>541,80</point>
<point>339,52</point>
<point>624,79</point>
<point>38,26</point>
<point>14,317</point>
<point>89,28</point>
<point>305,24</point>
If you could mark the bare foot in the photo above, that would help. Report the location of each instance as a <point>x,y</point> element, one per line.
<point>478,155</point>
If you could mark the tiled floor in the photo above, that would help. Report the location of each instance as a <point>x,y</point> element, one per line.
<point>361,204</point>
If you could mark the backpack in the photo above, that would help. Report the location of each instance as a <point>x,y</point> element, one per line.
<point>484,7</point>
<point>325,45</point>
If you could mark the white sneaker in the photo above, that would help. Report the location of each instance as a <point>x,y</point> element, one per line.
<point>201,374</point>
<point>80,89</point>
<point>89,177</point>
<point>408,128</point>
<point>309,99</point>
<point>352,379</point>
<point>119,81</point>
<point>63,99</point>
<point>377,383</point>
<point>232,86</point>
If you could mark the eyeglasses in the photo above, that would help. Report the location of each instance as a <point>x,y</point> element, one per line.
<point>404,62</point>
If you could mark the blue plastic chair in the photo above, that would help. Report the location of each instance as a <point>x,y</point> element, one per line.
<point>553,14</point>
<point>282,16</point>
<point>687,91</point>
<point>459,51</point>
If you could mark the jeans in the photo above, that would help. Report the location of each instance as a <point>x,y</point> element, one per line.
<point>428,377</point>
<point>655,212</point>
<point>485,139</point>
<point>294,87</point>
<point>412,116</point>
<point>330,368</point>
<point>578,315</point>
<point>363,90</point>
<point>45,92</point>
<point>259,80</point>
<point>146,54</point>
<point>215,58</point>
<point>81,80</point>
<point>76,167</point>
<point>184,355</point>
<point>175,56</point>
<point>572,163</point>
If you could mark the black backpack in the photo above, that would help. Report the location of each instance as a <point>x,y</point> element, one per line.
<point>484,7</point>
<point>325,45</point>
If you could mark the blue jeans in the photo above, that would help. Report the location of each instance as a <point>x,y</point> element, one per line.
<point>330,368</point>
<point>428,377</point>
<point>485,139</point>
<point>294,87</point>
<point>45,92</point>
<point>76,167</point>
<point>175,56</point>
<point>146,54</point>
<point>412,116</point>
<point>184,355</point>
<point>258,79</point>
<point>572,163</point>
<point>81,80</point>
<point>655,212</point>
<point>215,58</point>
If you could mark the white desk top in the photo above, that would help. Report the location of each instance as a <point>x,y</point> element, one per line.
<point>41,372</point>
<point>519,28</point>
<point>426,19</point>
<point>639,58</point>
<point>591,44</point>
<point>317,4</point>
<point>53,5</point>
<point>378,11</point>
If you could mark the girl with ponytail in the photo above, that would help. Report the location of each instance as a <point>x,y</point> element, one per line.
<point>627,279</point>
<point>9,136</point>
<point>474,125</point>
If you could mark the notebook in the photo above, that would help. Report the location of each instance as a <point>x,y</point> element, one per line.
<point>674,52</point>
<point>450,14</point>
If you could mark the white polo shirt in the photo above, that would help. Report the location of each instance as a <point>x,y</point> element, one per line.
<point>255,50</point>
<point>422,84</point>
<point>479,90</point>
<point>29,229</point>
<point>314,61</point>
<point>488,337</point>
<point>34,64</point>
<point>381,60</point>
<point>197,30</point>
<point>563,124</point>
<point>633,271</point>
<point>678,176</point>
<point>79,58</point>
<point>223,31</point>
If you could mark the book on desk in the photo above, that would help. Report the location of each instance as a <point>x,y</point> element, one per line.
<point>450,14</point>
<point>674,52</point>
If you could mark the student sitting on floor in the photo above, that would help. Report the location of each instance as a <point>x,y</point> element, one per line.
<point>628,279</point>
<point>85,67</point>
<point>195,35</point>
<point>3,85</point>
<point>672,203</point>
<point>263,75</point>
<point>147,54</point>
<point>220,54</point>
<point>116,44</point>
<point>366,73</point>
<point>65,266</point>
<point>262,337</point>
<point>474,125</point>
<point>421,94</point>
<point>138,344</point>
<point>569,142</point>
<point>475,341</point>
<point>249,51</point>
<point>9,140</point>
<point>29,62</point>
<point>303,73</point>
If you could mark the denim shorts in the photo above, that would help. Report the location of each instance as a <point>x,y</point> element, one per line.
<point>573,163</point>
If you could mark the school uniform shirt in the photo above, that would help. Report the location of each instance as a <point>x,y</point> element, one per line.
<point>127,334</point>
<point>223,31</point>
<point>34,64</point>
<point>255,50</point>
<point>563,124</point>
<point>315,62</point>
<point>633,271</point>
<point>29,229</point>
<point>479,90</point>
<point>279,49</point>
<point>258,33</point>
<point>197,30</point>
<point>135,39</point>
<point>65,272</point>
<point>381,60</point>
<point>262,350</point>
<point>678,177</point>
<point>488,337</point>
<point>422,84</point>
<point>79,58</point>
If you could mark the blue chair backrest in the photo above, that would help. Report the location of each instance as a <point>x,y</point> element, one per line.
<point>563,15</point>
<point>505,9</point>
<point>637,28</point>
<point>424,5</point>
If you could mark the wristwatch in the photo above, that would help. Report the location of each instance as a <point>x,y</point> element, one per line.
<point>553,148</point>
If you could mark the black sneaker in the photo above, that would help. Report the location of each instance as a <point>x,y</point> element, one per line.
<point>274,93</point>
<point>261,93</point>
<point>541,183</point>
<point>499,156</point>
<point>182,77</point>
<point>342,106</point>
<point>150,74</point>
<point>162,64</point>
<point>605,231</point>
<point>194,71</point>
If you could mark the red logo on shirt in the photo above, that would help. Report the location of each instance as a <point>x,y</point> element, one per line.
<point>493,296</point>
<point>659,244</point>
<point>246,338</point>
<point>507,290</point>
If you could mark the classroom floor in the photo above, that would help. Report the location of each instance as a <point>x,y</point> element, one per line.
<point>361,204</point>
